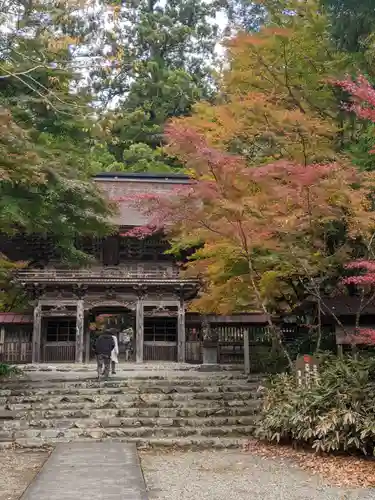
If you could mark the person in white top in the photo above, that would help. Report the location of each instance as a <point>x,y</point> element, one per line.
<point>114,355</point>
<point>126,337</point>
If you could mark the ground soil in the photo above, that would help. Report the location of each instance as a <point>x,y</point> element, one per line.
<point>17,469</point>
<point>258,472</point>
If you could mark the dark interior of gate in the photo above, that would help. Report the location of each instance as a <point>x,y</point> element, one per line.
<point>59,335</point>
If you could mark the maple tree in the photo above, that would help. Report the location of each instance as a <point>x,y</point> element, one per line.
<point>362,271</point>
<point>260,229</point>
<point>275,100</point>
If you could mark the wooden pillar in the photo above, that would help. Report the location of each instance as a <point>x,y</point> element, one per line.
<point>80,323</point>
<point>340,350</point>
<point>139,330</point>
<point>37,332</point>
<point>2,342</point>
<point>246,351</point>
<point>181,335</point>
<point>88,346</point>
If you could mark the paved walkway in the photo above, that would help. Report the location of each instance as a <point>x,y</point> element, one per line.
<point>90,471</point>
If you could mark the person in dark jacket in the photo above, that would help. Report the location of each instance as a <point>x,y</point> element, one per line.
<point>103,348</point>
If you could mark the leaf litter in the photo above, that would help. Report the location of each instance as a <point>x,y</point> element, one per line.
<point>338,470</point>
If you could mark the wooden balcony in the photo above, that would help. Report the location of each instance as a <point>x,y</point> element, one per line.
<point>115,275</point>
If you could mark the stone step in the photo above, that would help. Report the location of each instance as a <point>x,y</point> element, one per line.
<point>131,367</point>
<point>207,379</point>
<point>115,401</point>
<point>113,404</point>
<point>47,436</point>
<point>199,410</point>
<point>191,443</point>
<point>148,407</point>
<point>6,394</point>
<point>109,422</point>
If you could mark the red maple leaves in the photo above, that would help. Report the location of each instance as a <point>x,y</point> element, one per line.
<point>363,97</point>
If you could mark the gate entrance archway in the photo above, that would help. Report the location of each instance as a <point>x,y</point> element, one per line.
<point>119,319</point>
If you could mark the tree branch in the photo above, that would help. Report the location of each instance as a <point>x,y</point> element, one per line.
<point>11,74</point>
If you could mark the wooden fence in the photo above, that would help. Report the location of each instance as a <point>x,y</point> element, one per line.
<point>59,352</point>
<point>160,351</point>
<point>16,352</point>
<point>194,352</point>
<point>231,345</point>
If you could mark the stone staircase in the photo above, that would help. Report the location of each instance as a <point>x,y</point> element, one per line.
<point>176,408</point>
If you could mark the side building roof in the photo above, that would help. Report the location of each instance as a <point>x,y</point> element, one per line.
<point>117,186</point>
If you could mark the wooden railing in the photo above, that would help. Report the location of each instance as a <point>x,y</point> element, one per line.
<point>160,351</point>
<point>16,352</point>
<point>120,272</point>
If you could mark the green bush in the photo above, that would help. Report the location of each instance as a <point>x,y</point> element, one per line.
<point>8,371</point>
<point>337,414</point>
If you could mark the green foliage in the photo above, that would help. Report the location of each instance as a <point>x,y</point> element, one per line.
<point>140,157</point>
<point>11,297</point>
<point>49,141</point>
<point>163,54</point>
<point>7,371</point>
<point>337,414</point>
<point>359,148</point>
<point>352,22</point>
<point>245,14</point>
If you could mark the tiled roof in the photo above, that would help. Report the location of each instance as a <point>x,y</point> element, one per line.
<point>123,189</point>
<point>9,317</point>
<point>161,176</point>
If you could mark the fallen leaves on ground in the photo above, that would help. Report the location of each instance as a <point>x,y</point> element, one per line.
<point>340,470</point>
<point>18,468</point>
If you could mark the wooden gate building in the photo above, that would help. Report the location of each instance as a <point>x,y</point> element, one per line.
<point>130,277</point>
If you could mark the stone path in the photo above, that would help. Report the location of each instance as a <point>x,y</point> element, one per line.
<point>90,471</point>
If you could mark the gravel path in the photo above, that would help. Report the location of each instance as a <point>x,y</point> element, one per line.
<point>234,475</point>
<point>17,470</point>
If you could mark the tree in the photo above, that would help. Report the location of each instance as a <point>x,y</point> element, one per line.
<point>352,23</point>
<point>12,298</point>
<point>261,228</point>
<point>246,15</point>
<point>48,139</point>
<point>276,100</point>
<point>362,275</point>
<point>162,56</point>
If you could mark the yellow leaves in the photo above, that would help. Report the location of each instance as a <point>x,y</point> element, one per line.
<point>62,43</point>
<point>268,283</point>
<point>265,127</point>
<point>54,80</point>
<point>245,42</point>
<point>116,11</point>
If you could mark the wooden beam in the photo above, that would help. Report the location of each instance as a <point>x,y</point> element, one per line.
<point>52,302</point>
<point>139,317</point>
<point>37,332</point>
<point>79,331</point>
<point>159,302</point>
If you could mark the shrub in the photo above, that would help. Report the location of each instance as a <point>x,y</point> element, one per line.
<point>8,371</point>
<point>337,414</point>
